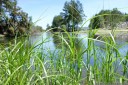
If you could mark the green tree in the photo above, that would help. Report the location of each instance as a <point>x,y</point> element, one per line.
<point>63,27</point>
<point>126,19</point>
<point>48,27</point>
<point>106,19</point>
<point>73,14</point>
<point>95,23</point>
<point>12,18</point>
<point>6,7</point>
<point>57,22</point>
<point>116,17</point>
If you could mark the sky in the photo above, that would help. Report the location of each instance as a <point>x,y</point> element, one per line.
<point>43,11</point>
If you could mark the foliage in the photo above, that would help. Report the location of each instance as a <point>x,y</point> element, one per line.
<point>71,16</point>
<point>126,17</point>
<point>36,29</point>
<point>71,63</point>
<point>13,17</point>
<point>48,27</point>
<point>95,22</point>
<point>57,21</point>
<point>107,19</point>
<point>64,28</point>
<point>116,17</point>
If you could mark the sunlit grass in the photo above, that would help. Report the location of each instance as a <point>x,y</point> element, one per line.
<point>71,63</point>
<point>24,64</point>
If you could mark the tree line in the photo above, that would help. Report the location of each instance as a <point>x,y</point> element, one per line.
<point>73,15</point>
<point>14,21</point>
<point>108,19</point>
<point>70,18</point>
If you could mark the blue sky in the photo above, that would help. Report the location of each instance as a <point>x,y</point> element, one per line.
<point>45,10</point>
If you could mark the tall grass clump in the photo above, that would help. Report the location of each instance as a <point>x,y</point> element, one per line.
<point>23,64</point>
<point>71,63</point>
<point>108,63</point>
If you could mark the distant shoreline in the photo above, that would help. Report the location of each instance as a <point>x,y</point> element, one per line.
<point>99,32</point>
<point>114,33</point>
<point>106,32</point>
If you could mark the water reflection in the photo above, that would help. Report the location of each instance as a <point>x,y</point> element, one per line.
<point>63,44</point>
<point>63,40</point>
<point>72,40</point>
<point>59,40</point>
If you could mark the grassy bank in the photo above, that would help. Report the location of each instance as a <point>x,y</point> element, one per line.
<point>22,64</point>
<point>103,31</point>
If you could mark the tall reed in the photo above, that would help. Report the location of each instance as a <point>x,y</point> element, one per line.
<point>71,63</point>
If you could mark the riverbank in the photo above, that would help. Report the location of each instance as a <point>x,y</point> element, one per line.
<point>122,34</point>
<point>100,32</point>
<point>64,58</point>
<point>104,32</point>
<point>116,32</point>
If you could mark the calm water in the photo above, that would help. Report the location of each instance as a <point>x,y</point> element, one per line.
<point>53,42</point>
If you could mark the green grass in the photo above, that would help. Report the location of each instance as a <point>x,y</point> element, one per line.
<point>25,64</point>
<point>22,64</point>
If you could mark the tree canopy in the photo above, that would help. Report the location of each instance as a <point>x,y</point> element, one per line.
<point>71,16</point>
<point>106,19</point>
<point>13,18</point>
<point>57,21</point>
<point>126,17</point>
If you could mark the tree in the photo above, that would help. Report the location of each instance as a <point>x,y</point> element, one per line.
<point>12,18</point>
<point>73,14</point>
<point>95,23</point>
<point>126,19</point>
<point>48,27</point>
<point>57,22</point>
<point>64,28</point>
<point>100,20</point>
<point>6,7</point>
<point>106,19</point>
<point>36,29</point>
<point>116,17</point>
